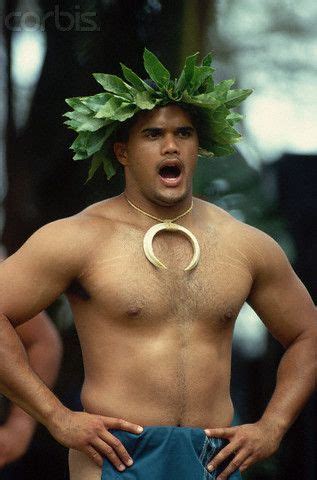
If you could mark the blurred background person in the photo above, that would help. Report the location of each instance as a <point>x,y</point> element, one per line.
<point>43,347</point>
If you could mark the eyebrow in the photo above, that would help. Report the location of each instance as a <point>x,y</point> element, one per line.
<point>187,128</point>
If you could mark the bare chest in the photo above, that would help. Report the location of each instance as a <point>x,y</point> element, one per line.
<point>123,284</point>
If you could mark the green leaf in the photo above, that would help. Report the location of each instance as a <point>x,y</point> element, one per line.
<point>171,94</point>
<point>226,136</point>
<point>82,122</point>
<point>80,156</point>
<point>80,145</point>
<point>145,101</point>
<point>114,84</point>
<point>187,72</point>
<point>135,80</point>
<point>235,97</point>
<point>77,104</point>
<point>211,148</point>
<point>157,72</point>
<point>208,85</point>
<point>95,164</point>
<point>223,150</point>
<point>205,152</point>
<point>76,115</point>
<point>95,102</point>
<point>108,167</point>
<point>101,158</point>
<point>96,141</point>
<point>91,125</point>
<point>88,143</point>
<point>124,112</point>
<point>220,114</point>
<point>234,117</point>
<point>189,67</point>
<point>207,60</point>
<point>109,109</point>
<point>207,100</point>
<point>116,109</point>
<point>223,87</point>
<point>72,124</point>
<point>199,77</point>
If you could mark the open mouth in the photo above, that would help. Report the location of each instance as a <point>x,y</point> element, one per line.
<point>170,171</point>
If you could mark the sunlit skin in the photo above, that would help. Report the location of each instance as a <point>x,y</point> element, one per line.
<point>157,344</point>
<point>165,133</point>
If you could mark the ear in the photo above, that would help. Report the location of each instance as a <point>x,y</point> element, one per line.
<point>120,151</point>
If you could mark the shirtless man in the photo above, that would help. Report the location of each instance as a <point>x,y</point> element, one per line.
<point>156,343</point>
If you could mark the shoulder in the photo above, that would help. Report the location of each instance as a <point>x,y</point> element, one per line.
<point>216,216</point>
<point>79,229</point>
<point>261,250</point>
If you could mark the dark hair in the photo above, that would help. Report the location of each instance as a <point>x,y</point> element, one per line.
<point>123,132</point>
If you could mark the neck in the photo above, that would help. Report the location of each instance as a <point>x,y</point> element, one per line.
<point>160,209</point>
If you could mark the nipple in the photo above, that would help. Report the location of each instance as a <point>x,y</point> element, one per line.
<point>133,311</point>
<point>229,315</point>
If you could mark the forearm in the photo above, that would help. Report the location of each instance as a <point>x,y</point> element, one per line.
<point>296,380</point>
<point>20,383</point>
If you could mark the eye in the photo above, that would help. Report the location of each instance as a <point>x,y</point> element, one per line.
<point>184,132</point>
<point>153,133</point>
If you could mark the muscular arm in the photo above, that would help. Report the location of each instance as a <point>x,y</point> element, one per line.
<point>30,280</point>
<point>284,305</point>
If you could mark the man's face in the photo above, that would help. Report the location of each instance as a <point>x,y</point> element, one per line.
<point>160,155</point>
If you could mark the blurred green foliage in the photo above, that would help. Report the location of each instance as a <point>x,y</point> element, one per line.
<point>233,185</point>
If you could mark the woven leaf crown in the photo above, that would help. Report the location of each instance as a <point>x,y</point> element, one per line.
<point>96,118</point>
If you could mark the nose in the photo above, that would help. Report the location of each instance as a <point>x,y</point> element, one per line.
<point>170,144</point>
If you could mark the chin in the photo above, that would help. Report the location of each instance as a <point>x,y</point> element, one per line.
<point>170,197</point>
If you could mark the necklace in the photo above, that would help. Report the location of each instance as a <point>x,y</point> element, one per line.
<point>169,225</point>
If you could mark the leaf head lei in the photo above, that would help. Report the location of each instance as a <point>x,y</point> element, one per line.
<point>97,118</point>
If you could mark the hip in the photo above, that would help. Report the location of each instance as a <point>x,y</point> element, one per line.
<point>159,452</point>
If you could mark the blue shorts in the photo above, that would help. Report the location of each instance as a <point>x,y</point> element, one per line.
<point>168,453</point>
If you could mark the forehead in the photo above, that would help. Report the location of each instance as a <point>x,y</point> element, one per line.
<point>171,116</point>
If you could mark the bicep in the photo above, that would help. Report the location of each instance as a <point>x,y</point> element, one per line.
<point>34,276</point>
<point>279,297</point>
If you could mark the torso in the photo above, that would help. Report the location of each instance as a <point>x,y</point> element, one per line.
<point>157,343</point>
